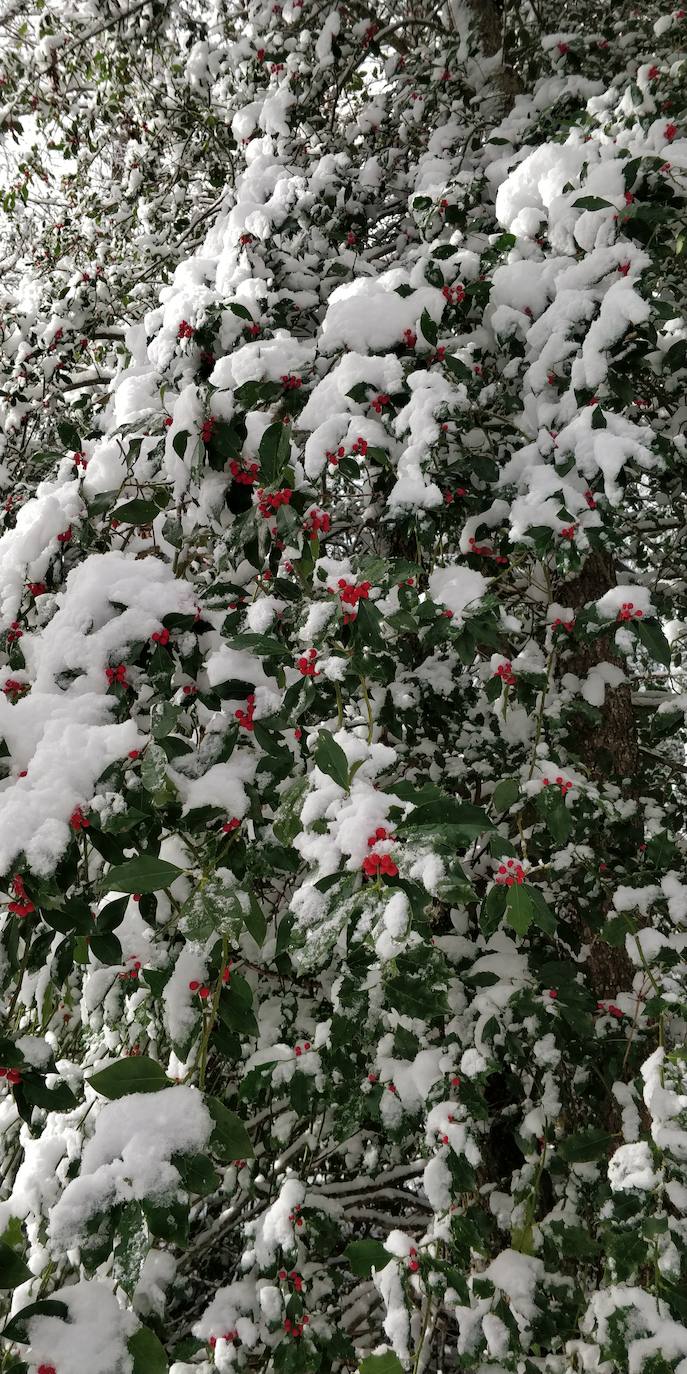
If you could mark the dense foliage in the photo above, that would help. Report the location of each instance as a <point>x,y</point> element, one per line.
<point>342,697</point>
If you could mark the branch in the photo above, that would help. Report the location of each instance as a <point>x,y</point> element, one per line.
<point>88,381</point>
<point>100,28</point>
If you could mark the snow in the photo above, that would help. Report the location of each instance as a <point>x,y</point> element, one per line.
<point>367,314</point>
<point>636,898</point>
<point>457,588</point>
<point>25,550</point>
<point>601,676</point>
<point>676,893</point>
<point>436,1181</point>
<point>518,1276</point>
<point>631,1168</point>
<point>330,396</point>
<point>275,1231</point>
<point>222,785</point>
<point>129,1153</point>
<point>94,1338</point>
<point>609,605</point>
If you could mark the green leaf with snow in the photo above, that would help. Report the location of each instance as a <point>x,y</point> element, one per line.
<point>212,908</point>
<point>287,820</point>
<point>15,1329</point>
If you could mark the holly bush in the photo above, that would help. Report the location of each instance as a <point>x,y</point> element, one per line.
<point>342,688</point>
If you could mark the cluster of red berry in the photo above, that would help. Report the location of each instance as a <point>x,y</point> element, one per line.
<point>505,671</point>
<point>317,522</point>
<point>14,689</point>
<point>628,612</point>
<point>454,294</point>
<point>295,1329</point>
<point>351,594</point>
<point>306,664</point>
<point>610,1008</point>
<point>12,1076</point>
<point>560,782</point>
<point>375,864</point>
<point>245,718</point>
<point>117,674</point>
<point>510,874</point>
<point>22,905</point>
<point>268,502</point>
<point>246,477</point>
<point>132,972</point>
<point>486,552</point>
<point>185,330</point>
<point>232,1335</point>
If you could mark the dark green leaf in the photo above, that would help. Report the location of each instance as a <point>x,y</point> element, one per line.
<point>449,811</point>
<point>518,907</point>
<point>585,1146</point>
<point>146,873</point>
<point>381,1364</point>
<point>69,435</point>
<point>505,794</point>
<point>653,639</point>
<point>428,329</point>
<point>147,1352</point>
<point>592,203</point>
<point>274,452</point>
<point>136,1074</point>
<point>365,1255</point>
<point>330,759</point>
<point>137,512</point>
<point>13,1270</point>
<point>230,1138</point>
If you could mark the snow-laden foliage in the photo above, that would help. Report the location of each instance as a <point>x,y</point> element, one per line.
<point>342,704</point>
